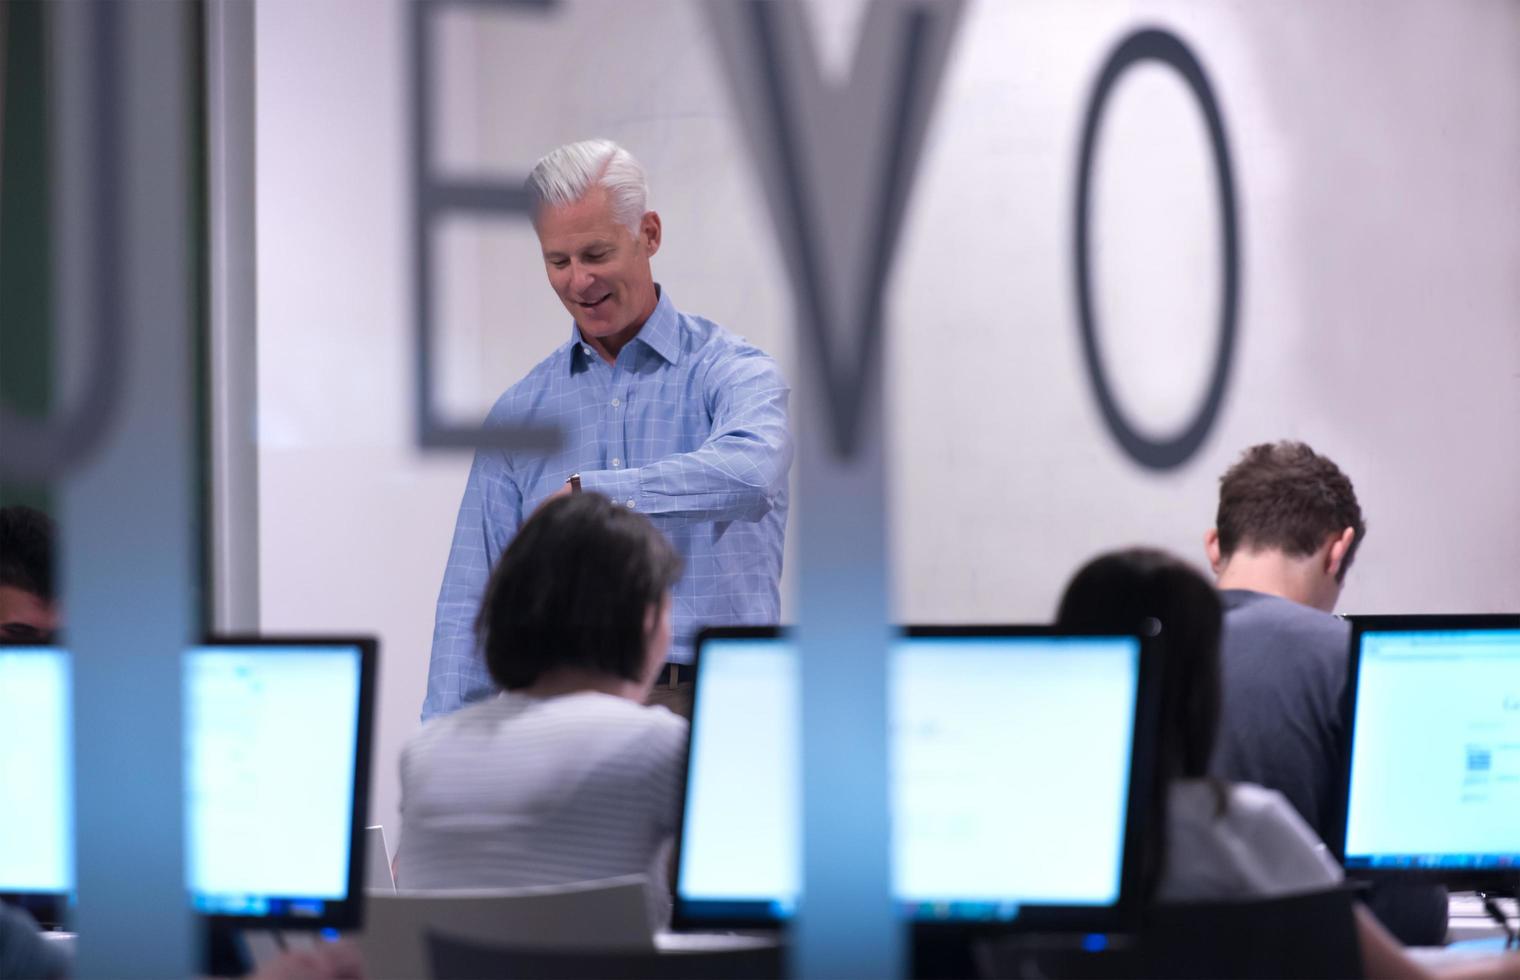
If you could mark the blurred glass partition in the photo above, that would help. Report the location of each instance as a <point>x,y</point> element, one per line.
<point>126,270</point>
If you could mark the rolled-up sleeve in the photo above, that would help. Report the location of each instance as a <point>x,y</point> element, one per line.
<point>740,468</point>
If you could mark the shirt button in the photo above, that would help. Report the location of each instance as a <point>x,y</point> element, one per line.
<point>616,402</point>
<point>587,350</point>
<point>616,462</point>
<point>630,503</point>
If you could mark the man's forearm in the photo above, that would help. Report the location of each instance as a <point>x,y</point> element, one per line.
<point>706,485</point>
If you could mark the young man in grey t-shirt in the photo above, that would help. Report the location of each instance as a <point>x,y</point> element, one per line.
<point>1287,529</point>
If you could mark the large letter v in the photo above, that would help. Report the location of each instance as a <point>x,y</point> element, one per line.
<point>838,163</point>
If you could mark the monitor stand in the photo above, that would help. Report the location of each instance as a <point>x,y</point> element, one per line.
<point>224,953</point>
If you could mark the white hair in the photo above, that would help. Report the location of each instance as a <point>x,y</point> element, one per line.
<point>566,173</point>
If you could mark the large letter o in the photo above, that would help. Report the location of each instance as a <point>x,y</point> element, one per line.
<point>1162,46</point>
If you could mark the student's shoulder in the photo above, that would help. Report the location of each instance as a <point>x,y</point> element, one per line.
<point>445,731</point>
<point>619,746</point>
<point>631,731</point>
<point>1246,605</point>
<point>1293,855</point>
<point>1266,814</point>
<point>1269,616</point>
<point>668,727</point>
<point>654,721</point>
<point>1249,801</point>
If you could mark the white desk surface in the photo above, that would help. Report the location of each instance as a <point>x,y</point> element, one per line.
<point>1435,957</point>
<point>710,942</point>
<point>1467,921</point>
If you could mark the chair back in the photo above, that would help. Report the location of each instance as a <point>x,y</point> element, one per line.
<point>456,959</point>
<point>378,876</point>
<point>1298,937</point>
<point>612,914</point>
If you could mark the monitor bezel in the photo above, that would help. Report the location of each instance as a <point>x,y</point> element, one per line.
<point>346,913</point>
<point>1456,878</point>
<point>680,914</point>
<point>51,909</point>
<point>1121,916</point>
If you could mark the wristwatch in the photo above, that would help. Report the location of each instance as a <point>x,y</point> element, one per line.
<point>575,482</point>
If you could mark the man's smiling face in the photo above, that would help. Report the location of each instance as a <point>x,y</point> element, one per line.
<point>598,268</point>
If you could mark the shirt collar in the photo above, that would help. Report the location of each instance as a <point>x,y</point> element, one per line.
<point>660,333</point>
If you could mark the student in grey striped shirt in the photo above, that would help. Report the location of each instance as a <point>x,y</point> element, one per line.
<point>566,775</point>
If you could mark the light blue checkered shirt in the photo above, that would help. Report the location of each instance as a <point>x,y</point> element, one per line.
<point>688,427</point>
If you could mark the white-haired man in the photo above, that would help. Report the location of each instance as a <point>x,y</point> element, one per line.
<point>663,412</point>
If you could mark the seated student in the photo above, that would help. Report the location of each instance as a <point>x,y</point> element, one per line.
<point>567,775</point>
<point>1219,840</point>
<point>28,611</point>
<point>24,954</point>
<point>1286,531</point>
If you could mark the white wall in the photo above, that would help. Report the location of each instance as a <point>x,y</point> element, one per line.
<point>1375,148</point>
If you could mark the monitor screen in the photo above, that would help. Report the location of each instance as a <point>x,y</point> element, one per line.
<point>1433,768</point>
<point>740,854</point>
<point>1011,762</point>
<point>276,766</point>
<point>36,778</point>
<point>1011,752</point>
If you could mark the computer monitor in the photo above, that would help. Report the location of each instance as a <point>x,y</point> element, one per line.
<point>1019,756</point>
<point>739,860</point>
<point>277,757</point>
<point>1432,776</point>
<point>36,780</point>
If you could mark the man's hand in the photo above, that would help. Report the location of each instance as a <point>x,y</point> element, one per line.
<point>563,491</point>
<point>327,961</point>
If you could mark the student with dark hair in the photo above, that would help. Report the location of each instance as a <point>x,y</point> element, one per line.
<point>24,954</point>
<point>28,611</point>
<point>1156,592</point>
<point>566,775</point>
<point>1214,840</point>
<point>1287,529</point>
